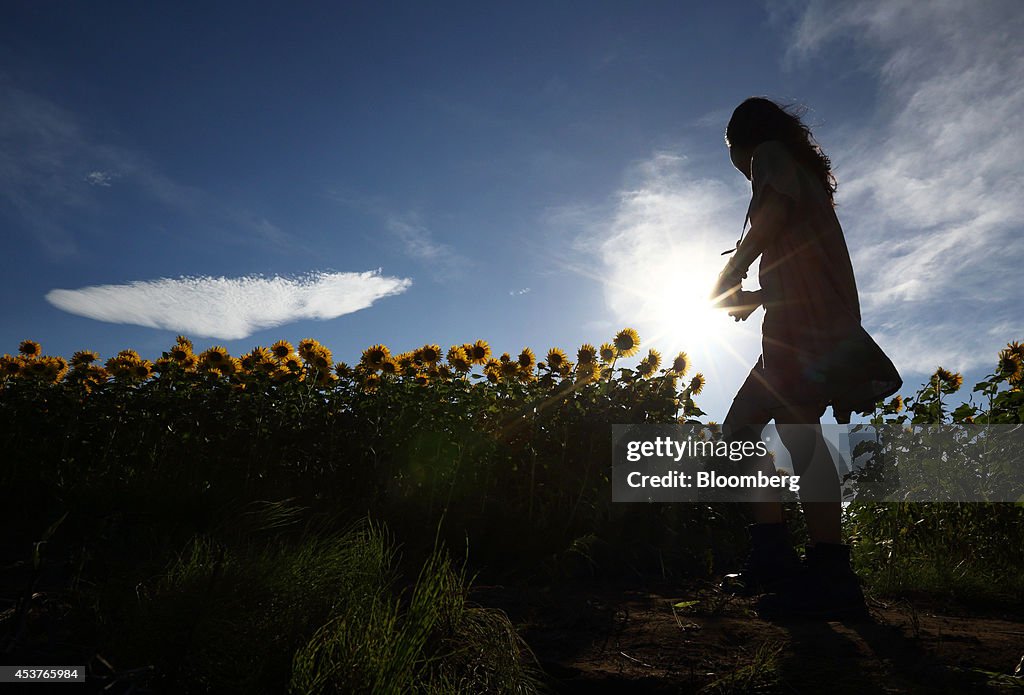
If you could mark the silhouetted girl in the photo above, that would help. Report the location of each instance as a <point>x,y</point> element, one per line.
<point>814,354</point>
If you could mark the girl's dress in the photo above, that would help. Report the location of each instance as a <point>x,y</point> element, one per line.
<point>814,349</point>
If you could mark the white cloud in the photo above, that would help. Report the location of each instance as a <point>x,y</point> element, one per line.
<point>99,178</point>
<point>930,190</point>
<point>228,308</point>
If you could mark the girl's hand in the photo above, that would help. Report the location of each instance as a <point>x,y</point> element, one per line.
<point>744,304</point>
<point>727,288</point>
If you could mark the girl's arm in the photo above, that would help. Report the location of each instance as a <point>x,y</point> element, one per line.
<point>765,223</point>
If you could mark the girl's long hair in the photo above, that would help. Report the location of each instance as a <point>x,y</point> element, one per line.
<point>758,120</point>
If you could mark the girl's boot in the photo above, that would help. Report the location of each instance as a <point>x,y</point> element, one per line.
<point>772,560</point>
<point>826,588</point>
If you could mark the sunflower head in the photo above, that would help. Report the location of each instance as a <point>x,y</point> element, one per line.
<point>947,381</point>
<point>556,358</point>
<point>1010,367</point>
<point>509,368</point>
<point>321,358</point>
<point>585,373</point>
<point>607,353</point>
<point>681,364</point>
<point>389,366</point>
<point>697,384</point>
<point>586,355</point>
<point>342,370</point>
<point>282,349</point>
<point>429,354</point>
<point>83,358</point>
<point>214,356</point>
<point>306,347</point>
<point>492,370</point>
<point>374,356</point>
<point>142,370</point>
<point>459,359</point>
<point>130,355</point>
<point>184,342</point>
<point>627,342</point>
<point>179,353</point>
<point>479,352</point>
<point>527,360</point>
<point>30,348</point>
<point>649,364</point>
<point>895,405</point>
<point>10,365</point>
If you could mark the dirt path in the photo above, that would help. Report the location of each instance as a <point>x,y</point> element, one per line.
<point>610,640</point>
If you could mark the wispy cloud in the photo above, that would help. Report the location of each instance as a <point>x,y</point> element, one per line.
<point>52,169</point>
<point>99,178</point>
<point>418,242</point>
<point>930,190</point>
<point>228,308</point>
<point>410,232</point>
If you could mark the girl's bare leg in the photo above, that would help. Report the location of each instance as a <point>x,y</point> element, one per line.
<point>745,422</point>
<point>819,482</point>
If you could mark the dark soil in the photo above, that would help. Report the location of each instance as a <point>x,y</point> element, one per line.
<point>592,638</point>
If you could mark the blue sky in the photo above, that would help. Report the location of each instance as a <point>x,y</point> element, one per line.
<point>536,174</point>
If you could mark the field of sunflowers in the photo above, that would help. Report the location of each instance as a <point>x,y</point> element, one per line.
<point>208,522</point>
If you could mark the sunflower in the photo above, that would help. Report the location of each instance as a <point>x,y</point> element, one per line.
<point>389,366</point>
<point>895,405</point>
<point>429,354</point>
<point>83,358</point>
<point>442,372</point>
<point>586,355</point>
<point>492,370</point>
<point>459,359</point>
<point>697,384</point>
<point>179,353</point>
<point>190,363</point>
<point>647,367</point>
<point>607,352</point>
<point>585,373</point>
<point>142,370</point>
<point>30,348</point>
<point>422,378</point>
<point>479,352</point>
<point>509,368</point>
<point>282,349</point>
<point>526,376</point>
<point>321,358</point>
<point>262,354</point>
<point>556,358</point>
<point>565,369</point>
<point>374,356</point>
<point>325,378</point>
<point>1009,365</point>
<point>129,355</point>
<point>342,370</point>
<point>406,361</point>
<point>948,381</point>
<point>527,360</point>
<point>681,364</point>
<point>184,342</point>
<point>371,382</point>
<point>653,358</point>
<point>292,362</point>
<point>627,342</point>
<point>214,356</point>
<point>306,347</point>
<point>10,366</point>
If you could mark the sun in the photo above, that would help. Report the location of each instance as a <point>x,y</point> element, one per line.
<point>675,299</point>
